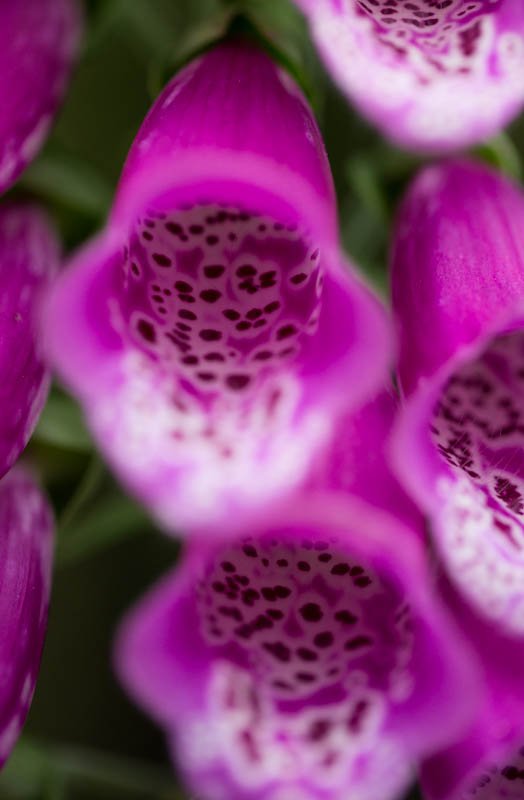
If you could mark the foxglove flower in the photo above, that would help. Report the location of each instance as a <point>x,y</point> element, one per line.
<point>213,330</point>
<point>458,293</point>
<point>307,659</point>
<point>433,75</point>
<point>39,39</point>
<point>26,528</point>
<point>487,761</point>
<point>29,256</point>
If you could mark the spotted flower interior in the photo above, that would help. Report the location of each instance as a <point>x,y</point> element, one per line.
<point>219,308</point>
<point>500,783</point>
<point>437,36</point>
<point>478,428</point>
<point>309,648</point>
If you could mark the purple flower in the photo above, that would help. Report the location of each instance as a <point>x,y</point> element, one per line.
<point>26,542</point>
<point>458,293</point>
<point>306,659</point>
<point>29,255</point>
<point>433,76</point>
<point>487,761</point>
<point>39,39</point>
<point>213,331</point>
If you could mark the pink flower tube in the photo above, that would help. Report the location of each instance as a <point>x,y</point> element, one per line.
<point>213,331</point>
<point>433,75</point>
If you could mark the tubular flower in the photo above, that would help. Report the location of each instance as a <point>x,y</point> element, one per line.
<point>487,761</point>
<point>39,41</point>
<point>213,330</point>
<point>458,293</point>
<point>29,255</point>
<point>26,528</point>
<point>434,75</point>
<point>306,659</point>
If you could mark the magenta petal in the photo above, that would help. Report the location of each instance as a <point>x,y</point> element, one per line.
<point>458,292</point>
<point>29,256</point>
<point>214,331</point>
<point>432,76</point>
<point>307,658</point>
<point>26,541</point>
<point>38,42</point>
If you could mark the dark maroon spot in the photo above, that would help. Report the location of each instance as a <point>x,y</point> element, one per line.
<point>305,677</point>
<point>186,298</point>
<point>269,594</point>
<point>218,586</point>
<point>227,566</point>
<point>262,623</point>
<point>345,617</point>
<point>300,278</point>
<point>278,650</point>
<point>210,295</point>
<point>210,335</point>
<point>185,314</point>
<point>173,227</point>
<point>356,571</point>
<point>250,551</point>
<point>281,685</point>
<point>274,613</point>
<point>255,313</point>
<point>246,271</point>
<point>211,239</point>
<point>282,592</point>
<point>146,330</point>
<point>325,557</point>
<point>340,569</point>
<point>213,271</point>
<point>285,331</point>
<point>237,382</point>
<point>183,327</point>
<point>510,773</point>
<point>208,377</point>
<point>282,562</point>
<point>271,307</point>
<point>362,582</point>
<point>190,360</point>
<point>243,326</point>
<point>147,236</point>
<point>182,286</point>
<point>319,729</point>
<point>196,229</point>
<point>259,323</point>
<point>303,566</point>
<point>214,357</point>
<point>311,612</point>
<point>250,596</point>
<point>306,655</point>
<point>134,269</point>
<point>231,314</point>
<point>265,562</point>
<point>263,355</point>
<point>357,642</point>
<point>324,639</point>
<point>267,276</point>
<point>161,260</point>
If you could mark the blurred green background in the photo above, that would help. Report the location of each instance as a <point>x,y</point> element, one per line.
<point>83,738</point>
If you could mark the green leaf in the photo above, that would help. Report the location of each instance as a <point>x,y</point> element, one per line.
<point>502,153</point>
<point>113,518</point>
<point>61,424</point>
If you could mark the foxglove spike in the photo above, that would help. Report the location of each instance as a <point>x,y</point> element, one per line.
<point>433,76</point>
<point>213,331</point>
<point>458,293</point>
<point>26,543</point>
<point>307,659</point>
<point>29,256</point>
<point>39,40</point>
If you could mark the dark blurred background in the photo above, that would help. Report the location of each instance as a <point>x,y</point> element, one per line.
<point>84,739</point>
